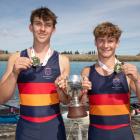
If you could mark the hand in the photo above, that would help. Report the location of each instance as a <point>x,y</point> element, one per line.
<point>61,81</point>
<point>21,63</point>
<point>131,71</point>
<point>86,84</point>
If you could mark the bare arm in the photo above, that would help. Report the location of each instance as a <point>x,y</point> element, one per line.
<point>61,80</point>
<point>133,77</point>
<point>9,79</point>
<point>86,83</point>
<point>135,86</point>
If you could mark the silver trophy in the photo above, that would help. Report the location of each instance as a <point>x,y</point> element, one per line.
<point>75,109</point>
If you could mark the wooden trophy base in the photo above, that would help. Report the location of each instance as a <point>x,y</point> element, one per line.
<point>76,112</point>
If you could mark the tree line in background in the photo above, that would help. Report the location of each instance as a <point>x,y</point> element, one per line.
<point>64,52</point>
<point>77,52</point>
<point>4,52</point>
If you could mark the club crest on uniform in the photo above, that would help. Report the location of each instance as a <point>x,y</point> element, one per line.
<point>116,83</point>
<point>48,71</point>
<point>47,74</point>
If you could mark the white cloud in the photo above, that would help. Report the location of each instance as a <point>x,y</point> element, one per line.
<point>76,21</point>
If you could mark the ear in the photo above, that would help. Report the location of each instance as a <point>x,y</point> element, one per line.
<point>31,27</point>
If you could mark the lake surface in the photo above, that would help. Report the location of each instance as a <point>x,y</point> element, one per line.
<point>76,68</point>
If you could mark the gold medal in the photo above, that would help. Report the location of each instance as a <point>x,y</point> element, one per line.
<point>118,68</point>
<point>36,61</point>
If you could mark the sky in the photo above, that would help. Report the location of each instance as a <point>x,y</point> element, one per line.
<point>76,21</point>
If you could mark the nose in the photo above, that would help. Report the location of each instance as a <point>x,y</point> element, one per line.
<point>105,44</point>
<point>42,27</point>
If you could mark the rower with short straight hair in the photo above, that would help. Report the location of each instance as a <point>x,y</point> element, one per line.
<point>39,71</point>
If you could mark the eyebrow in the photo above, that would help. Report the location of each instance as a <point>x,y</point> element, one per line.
<point>48,22</point>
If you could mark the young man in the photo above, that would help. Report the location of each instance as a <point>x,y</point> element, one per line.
<point>36,70</point>
<point>109,97</point>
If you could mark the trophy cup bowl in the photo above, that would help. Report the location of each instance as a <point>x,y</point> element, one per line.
<point>75,108</point>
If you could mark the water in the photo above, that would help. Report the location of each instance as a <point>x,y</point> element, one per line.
<point>76,68</point>
<point>2,67</point>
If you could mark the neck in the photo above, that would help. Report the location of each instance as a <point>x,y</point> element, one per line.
<point>107,63</point>
<point>41,48</point>
<point>110,62</point>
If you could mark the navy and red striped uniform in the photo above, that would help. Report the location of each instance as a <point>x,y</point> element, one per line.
<point>40,117</point>
<point>109,111</point>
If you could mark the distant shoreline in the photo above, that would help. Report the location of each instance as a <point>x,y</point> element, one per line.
<point>87,57</point>
<point>84,57</point>
<point>4,57</point>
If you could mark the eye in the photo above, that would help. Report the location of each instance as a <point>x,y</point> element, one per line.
<point>111,40</point>
<point>48,25</point>
<point>100,40</point>
<point>37,23</point>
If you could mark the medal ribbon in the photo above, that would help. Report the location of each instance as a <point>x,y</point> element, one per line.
<point>47,56</point>
<point>106,68</point>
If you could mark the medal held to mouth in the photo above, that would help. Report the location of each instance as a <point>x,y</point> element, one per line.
<point>36,61</point>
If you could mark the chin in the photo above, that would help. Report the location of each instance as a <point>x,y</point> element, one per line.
<point>106,55</point>
<point>42,40</point>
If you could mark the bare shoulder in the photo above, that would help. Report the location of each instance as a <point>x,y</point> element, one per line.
<point>64,64</point>
<point>63,58</point>
<point>85,71</point>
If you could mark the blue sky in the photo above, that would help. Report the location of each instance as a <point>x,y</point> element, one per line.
<point>76,21</point>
